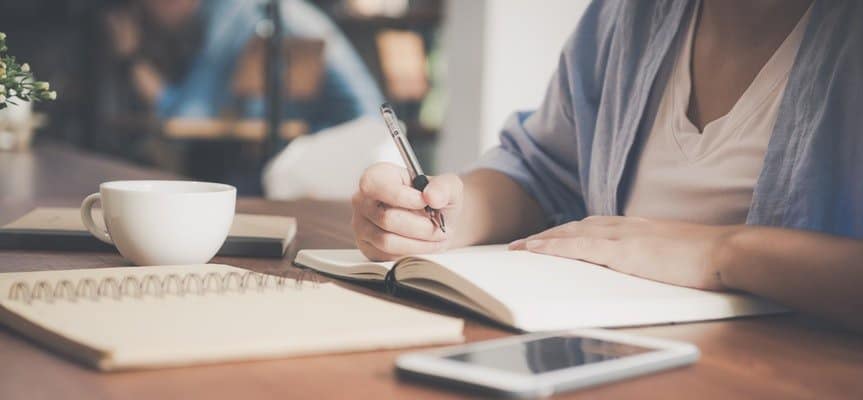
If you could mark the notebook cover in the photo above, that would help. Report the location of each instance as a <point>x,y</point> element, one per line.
<point>57,229</point>
<point>38,239</point>
<point>166,330</point>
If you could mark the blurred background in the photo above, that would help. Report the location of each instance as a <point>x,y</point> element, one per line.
<point>180,85</point>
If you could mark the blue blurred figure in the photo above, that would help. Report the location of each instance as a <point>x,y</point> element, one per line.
<point>202,86</point>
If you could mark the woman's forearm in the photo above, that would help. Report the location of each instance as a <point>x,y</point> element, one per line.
<point>496,210</point>
<point>811,272</point>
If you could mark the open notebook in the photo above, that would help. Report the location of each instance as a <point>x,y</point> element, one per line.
<point>147,317</point>
<point>60,228</point>
<point>535,292</point>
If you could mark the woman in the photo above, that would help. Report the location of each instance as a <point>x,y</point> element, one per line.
<point>707,144</point>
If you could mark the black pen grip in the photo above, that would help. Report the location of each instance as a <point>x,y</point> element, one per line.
<point>420,182</point>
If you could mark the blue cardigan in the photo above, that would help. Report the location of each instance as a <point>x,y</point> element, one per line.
<point>574,153</point>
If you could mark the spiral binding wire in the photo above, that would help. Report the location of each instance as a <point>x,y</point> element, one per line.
<point>154,285</point>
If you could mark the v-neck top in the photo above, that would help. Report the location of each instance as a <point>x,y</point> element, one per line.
<point>709,176</point>
<point>577,152</point>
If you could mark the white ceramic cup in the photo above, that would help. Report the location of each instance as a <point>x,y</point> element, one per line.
<point>163,222</point>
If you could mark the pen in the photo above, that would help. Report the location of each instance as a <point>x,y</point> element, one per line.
<point>418,178</point>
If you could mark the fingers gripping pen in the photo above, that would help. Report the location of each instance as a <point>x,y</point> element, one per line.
<point>418,178</point>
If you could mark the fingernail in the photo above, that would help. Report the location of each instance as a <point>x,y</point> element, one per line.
<point>430,197</point>
<point>515,244</point>
<point>534,244</point>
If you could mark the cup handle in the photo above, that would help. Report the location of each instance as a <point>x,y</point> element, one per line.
<point>87,218</point>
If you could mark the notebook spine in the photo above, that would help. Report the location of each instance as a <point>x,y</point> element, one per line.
<point>151,285</point>
<point>390,282</point>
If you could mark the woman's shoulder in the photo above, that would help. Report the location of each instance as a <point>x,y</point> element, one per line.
<point>632,23</point>
<point>620,35</point>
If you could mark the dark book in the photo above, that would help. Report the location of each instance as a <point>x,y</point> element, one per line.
<point>61,229</point>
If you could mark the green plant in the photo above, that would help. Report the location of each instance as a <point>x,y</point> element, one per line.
<point>17,82</point>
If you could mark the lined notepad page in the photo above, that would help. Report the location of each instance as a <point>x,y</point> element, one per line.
<point>153,331</point>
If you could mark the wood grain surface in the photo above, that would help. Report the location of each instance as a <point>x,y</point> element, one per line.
<point>788,357</point>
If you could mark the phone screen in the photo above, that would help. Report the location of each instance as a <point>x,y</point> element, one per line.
<point>548,354</point>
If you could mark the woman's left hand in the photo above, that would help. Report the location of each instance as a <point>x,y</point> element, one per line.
<point>679,253</point>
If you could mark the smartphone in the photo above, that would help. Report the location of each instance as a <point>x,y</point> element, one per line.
<point>539,365</point>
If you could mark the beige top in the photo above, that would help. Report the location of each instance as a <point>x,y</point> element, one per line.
<point>708,177</point>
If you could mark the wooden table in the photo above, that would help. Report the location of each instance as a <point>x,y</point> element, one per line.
<point>785,357</point>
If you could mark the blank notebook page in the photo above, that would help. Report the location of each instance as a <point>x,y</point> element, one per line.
<point>546,292</point>
<point>150,331</point>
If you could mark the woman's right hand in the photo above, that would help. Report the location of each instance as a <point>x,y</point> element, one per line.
<point>389,217</point>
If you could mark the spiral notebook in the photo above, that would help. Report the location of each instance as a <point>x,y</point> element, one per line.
<point>535,292</point>
<point>150,317</point>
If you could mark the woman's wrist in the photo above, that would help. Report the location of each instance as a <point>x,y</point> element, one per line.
<point>728,253</point>
<point>496,209</point>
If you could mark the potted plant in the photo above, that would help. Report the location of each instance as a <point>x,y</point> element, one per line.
<point>18,90</point>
